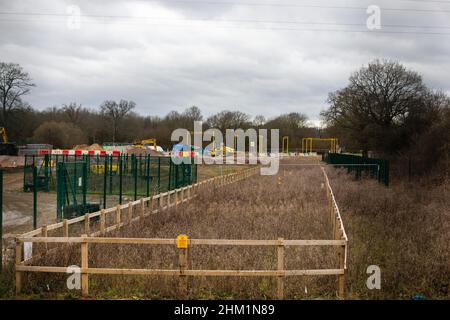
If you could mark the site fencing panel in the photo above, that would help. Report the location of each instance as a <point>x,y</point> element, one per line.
<point>87,182</point>
<point>375,168</point>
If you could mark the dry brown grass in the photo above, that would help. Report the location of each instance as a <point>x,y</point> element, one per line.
<point>404,229</point>
<point>291,205</point>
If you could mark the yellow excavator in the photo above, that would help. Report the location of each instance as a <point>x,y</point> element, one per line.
<point>143,143</point>
<point>7,148</point>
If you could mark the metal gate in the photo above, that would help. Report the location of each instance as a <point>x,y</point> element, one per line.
<point>71,196</point>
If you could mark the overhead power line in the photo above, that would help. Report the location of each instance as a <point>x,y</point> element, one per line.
<point>272,28</point>
<point>305,6</point>
<point>257,21</point>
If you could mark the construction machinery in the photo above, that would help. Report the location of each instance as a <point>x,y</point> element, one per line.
<point>7,148</point>
<point>224,151</point>
<point>307,144</point>
<point>145,143</point>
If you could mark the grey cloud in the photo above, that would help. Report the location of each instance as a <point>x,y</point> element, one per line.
<point>173,62</point>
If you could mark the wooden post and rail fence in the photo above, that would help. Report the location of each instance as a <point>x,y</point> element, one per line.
<point>182,242</point>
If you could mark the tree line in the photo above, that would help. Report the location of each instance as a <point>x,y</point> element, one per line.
<point>386,109</point>
<point>116,121</point>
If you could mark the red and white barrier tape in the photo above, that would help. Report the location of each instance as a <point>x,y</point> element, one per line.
<point>72,152</point>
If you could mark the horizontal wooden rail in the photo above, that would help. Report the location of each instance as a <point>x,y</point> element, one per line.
<point>164,241</point>
<point>338,233</point>
<point>177,272</point>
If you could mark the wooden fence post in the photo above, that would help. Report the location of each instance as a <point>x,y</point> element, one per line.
<point>331,211</point>
<point>337,227</point>
<point>18,262</point>
<point>65,228</point>
<point>44,233</point>
<point>102,221</point>
<point>130,212</point>
<point>280,267</point>
<point>142,213</point>
<point>161,199</point>
<point>168,200</point>
<point>175,198</point>
<point>182,245</point>
<point>118,211</point>
<point>84,266</point>
<point>182,194</point>
<point>341,277</point>
<point>87,221</point>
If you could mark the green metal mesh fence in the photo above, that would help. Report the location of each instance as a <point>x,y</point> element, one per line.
<point>84,182</point>
<point>375,168</point>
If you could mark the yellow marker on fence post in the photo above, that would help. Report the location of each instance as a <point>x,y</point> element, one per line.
<point>182,245</point>
<point>182,241</point>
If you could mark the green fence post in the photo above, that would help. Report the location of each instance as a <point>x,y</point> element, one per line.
<point>170,174</point>
<point>135,175</point>
<point>25,172</point>
<point>46,162</point>
<point>34,197</point>
<point>148,177</point>
<point>120,179</point>
<point>85,185</point>
<point>1,220</point>
<point>88,157</point>
<point>110,173</point>
<point>105,180</point>
<point>74,182</point>
<point>59,193</point>
<point>159,174</point>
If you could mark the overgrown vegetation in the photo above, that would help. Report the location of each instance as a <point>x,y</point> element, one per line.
<point>404,229</point>
<point>292,205</point>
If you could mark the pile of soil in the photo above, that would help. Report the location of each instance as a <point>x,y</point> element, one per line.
<point>95,146</point>
<point>81,147</point>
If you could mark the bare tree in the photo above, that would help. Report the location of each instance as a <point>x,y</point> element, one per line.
<point>116,112</point>
<point>73,112</point>
<point>14,83</point>
<point>378,105</point>
<point>229,120</point>
<point>259,120</point>
<point>193,114</point>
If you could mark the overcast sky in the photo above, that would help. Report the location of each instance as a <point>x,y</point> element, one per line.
<point>257,56</point>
